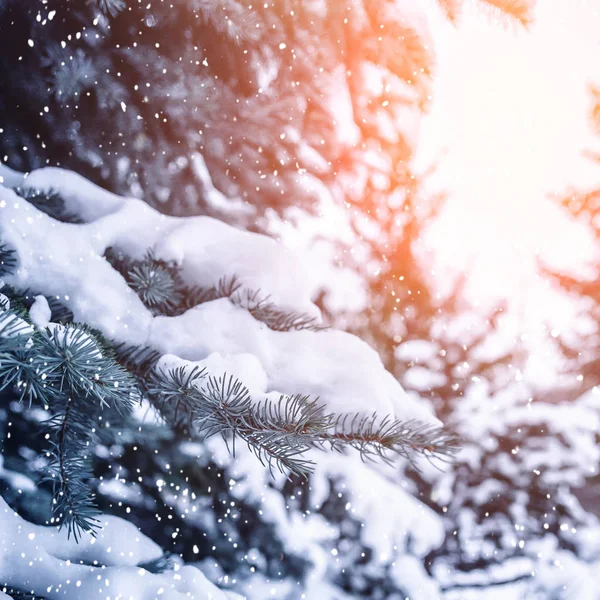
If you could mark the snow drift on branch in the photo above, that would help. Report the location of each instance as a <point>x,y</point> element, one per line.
<point>67,261</point>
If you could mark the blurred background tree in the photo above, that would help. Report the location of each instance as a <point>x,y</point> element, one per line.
<point>581,348</point>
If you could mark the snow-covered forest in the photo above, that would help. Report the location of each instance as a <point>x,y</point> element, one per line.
<point>230,365</point>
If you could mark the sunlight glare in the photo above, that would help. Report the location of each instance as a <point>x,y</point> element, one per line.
<point>508,124</point>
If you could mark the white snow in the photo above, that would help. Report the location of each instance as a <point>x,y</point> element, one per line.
<point>9,177</point>
<point>40,312</point>
<point>44,561</point>
<point>394,524</point>
<point>212,195</point>
<point>339,104</point>
<point>81,196</point>
<point>418,351</point>
<point>339,368</point>
<point>67,260</point>
<point>423,379</point>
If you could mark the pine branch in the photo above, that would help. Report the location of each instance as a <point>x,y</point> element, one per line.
<point>155,285</point>
<point>226,287</point>
<point>279,433</point>
<point>69,468</point>
<point>49,202</point>
<point>74,360</point>
<point>139,360</point>
<point>162,290</point>
<point>8,260</point>
<point>17,301</point>
<point>377,438</point>
<point>73,375</point>
<point>156,282</point>
<point>59,312</point>
<point>72,72</point>
<point>14,330</point>
<point>17,370</point>
<point>159,565</point>
<point>230,19</point>
<point>83,378</point>
<point>109,7</point>
<point>16,363</point>
<point>260,307</point>
<point>176,394</point>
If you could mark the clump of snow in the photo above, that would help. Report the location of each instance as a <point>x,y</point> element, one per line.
<point>422,379</point>
<point>418,351</point>
<point>337,367</point>
<point>40,312</point>
<point>339,105</point>
<point>44,561</point>
<point>81,196</point>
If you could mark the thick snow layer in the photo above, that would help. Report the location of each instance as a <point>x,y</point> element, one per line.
<point>322,364</point>
<point>67,261</point>
<point>43,560</point>
<point>410,575</point>
<point>391,517</point>
<point>81,196</point>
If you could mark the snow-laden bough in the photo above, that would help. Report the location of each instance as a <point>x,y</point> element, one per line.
<point>67,261</point>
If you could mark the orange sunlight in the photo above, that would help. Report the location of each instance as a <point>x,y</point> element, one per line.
<point>508,125</point>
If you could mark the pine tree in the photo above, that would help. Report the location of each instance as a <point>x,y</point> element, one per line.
<point>578,346</point>
<point>151,99</point>
<point>87,383</point>
<point>328,110</point>
<point>580,350</point>
<point>510,500</point>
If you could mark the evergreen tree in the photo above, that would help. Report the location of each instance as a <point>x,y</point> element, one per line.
<point>580,348</point>
<point>163,99</point>
<point>209,108</point>
<point>73,371</point>
<point>510,501</point>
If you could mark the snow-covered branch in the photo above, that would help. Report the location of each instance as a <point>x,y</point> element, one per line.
<point>67,261</point>
<point>227,358</point>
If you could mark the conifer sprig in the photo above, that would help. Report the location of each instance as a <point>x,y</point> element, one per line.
<point>162,289</point>
<point>377,438</point>
<point>8,260</point>
<point>155,285</point>
<point>73,371</point>
<point>281,432</point>
<point>68,370</point>
<point>69,466</point>
<point>49,202</point>
<point>109,7</point>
